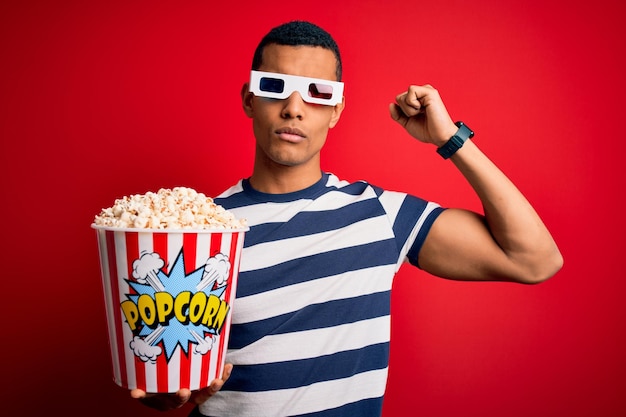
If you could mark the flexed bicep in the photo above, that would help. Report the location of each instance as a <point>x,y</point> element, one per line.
<point>460,246</point>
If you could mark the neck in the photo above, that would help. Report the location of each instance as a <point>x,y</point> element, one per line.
<point>285,179</point>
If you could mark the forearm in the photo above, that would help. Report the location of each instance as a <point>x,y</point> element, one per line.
<point>512,221</point>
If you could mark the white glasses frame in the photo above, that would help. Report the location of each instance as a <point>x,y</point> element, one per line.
<point>296,83</point>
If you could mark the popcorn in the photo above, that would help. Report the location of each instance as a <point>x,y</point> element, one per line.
<point>177,208</point>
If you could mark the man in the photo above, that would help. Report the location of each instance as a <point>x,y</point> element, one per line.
<point>310,331</point>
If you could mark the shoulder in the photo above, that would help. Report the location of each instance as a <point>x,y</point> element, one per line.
<point>231,197</point>
<point>233,189</point>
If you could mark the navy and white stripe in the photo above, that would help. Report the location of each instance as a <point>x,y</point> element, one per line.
<point>311,321</point>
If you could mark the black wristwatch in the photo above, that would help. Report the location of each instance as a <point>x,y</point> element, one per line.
<point>456,142</point>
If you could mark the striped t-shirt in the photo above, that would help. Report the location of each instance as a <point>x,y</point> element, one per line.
<point>311,321</point>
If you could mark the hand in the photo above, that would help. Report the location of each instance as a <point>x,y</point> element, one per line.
<point>164,402</point>
<point>422,113</point>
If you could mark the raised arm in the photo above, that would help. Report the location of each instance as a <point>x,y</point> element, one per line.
<point>509,242</point>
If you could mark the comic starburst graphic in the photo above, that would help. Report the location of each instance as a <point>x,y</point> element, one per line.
<point>151,280</point>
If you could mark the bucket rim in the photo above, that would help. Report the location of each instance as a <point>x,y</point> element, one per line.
<point>189,230</point>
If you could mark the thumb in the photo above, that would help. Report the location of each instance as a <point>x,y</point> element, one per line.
<point>397,114</point>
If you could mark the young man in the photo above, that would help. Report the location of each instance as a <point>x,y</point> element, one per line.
<point>310,331</point>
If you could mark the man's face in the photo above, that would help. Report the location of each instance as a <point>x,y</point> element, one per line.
<point>291,132</point>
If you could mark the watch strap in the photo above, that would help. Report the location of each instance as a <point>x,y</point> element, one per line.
<point>456,142</point>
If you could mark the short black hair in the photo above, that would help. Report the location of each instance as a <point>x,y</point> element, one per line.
<point>298,33</point>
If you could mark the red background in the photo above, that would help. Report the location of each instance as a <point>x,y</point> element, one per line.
<point>101,99</point>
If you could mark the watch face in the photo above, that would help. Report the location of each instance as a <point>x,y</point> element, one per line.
<point>464,131</point>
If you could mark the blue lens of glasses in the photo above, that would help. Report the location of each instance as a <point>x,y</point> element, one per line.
<point>272,85</point>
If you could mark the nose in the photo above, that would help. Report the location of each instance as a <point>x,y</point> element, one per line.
<point>293,107</point>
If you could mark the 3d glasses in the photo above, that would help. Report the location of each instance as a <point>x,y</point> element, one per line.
<point>281,86</point>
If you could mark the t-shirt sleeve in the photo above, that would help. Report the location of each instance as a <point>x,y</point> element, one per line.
<point>411,218</point>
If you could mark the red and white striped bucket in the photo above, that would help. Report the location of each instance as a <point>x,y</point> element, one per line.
<point>168,298</point>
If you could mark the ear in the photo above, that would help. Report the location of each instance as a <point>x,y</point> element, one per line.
<point>334,119</point>
<point>246,99</point>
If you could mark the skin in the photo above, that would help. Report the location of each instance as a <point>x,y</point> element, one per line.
<point>508,243</point>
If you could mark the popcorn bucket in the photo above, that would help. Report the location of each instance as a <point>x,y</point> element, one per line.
<point>168,298</point>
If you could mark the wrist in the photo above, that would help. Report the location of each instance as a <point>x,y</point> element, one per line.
<point>447,135</point>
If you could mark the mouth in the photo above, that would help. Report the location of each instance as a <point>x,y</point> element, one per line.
<point>290,134</point>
